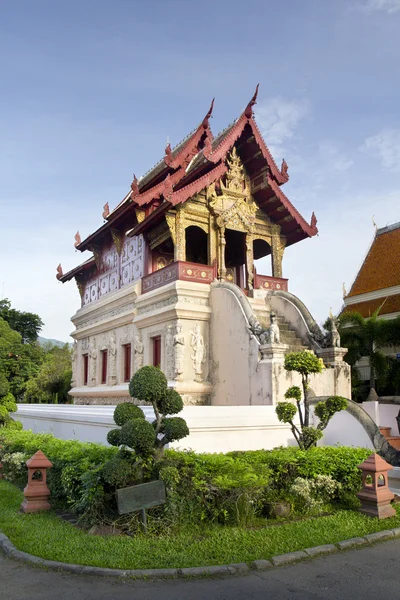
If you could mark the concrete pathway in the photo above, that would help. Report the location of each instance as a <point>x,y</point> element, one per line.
<point>367,573</point>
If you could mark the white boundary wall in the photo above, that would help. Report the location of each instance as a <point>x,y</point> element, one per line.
<point>212,428</point>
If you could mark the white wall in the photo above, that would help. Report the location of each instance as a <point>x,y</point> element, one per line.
<point>212,428</point>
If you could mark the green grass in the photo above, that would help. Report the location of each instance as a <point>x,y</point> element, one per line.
<point>49,537</point>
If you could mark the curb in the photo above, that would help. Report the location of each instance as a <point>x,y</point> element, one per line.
<point>216,570</point>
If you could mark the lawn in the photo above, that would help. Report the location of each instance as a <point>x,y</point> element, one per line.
<point>47,536</point>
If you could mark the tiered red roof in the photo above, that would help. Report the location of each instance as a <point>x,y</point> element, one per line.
<point>195,163</point>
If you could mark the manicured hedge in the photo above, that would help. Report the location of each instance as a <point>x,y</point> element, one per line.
<point>227,488</point>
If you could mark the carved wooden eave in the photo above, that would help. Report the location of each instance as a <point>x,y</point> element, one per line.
<point>118,239</point>
<point>78,271</point>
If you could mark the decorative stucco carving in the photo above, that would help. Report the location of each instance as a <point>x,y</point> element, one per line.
<point>198,355</point>
<point>169,352</point>
<point>138,350</point>
<point>92,361</point>
<point>196,400</point>
<point>106,316</point>
<point>112,359</point>
<point>179,352</point>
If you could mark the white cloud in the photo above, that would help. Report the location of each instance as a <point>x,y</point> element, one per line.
<point>279,118</point>
<point>389,6</point>
<point>333,158</point>
<point>386,146</point>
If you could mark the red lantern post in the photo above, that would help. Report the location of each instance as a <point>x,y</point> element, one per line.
<point>36,493</point>
<point>375,494</point>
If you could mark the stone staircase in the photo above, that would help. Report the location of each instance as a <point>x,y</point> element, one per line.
<point>394,440</point>
<point>288,335</point>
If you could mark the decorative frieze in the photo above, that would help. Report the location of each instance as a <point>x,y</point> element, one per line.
<point>106,316</point>
<point>264,282</point>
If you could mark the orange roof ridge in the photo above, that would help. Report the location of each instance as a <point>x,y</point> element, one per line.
<point>381,266</point>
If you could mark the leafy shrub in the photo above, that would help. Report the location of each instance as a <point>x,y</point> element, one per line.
<point>118,472</point>
<point>7,406</point>
<point>139,435</point>
<point>305,363</point>
<point>114,437</point>
<point>313,494</point>
<point>125,412</point>
<point>149,384</point>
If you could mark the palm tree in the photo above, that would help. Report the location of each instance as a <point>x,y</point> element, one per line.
<point>366,337</point>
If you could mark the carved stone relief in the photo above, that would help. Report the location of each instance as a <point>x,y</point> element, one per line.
<point>112,359</point>
<point>92,361</point>
<point>179,352</point>
<point>198,355</point>
<point>169,352</point>
<point>138,351</point>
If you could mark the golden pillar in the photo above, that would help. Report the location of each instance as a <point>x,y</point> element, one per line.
<point>222,245</point>
<point>278,248</point>
<point>180,245</point>
<point>249,261</point>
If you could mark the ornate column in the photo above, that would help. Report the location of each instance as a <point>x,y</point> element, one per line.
<point>249,261</point>
<point>278,248</point>
<point>222,244</point>
<point>180,245</point>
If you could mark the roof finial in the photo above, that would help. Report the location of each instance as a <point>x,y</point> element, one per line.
<point>374,224</point>
<point>208,115</point>
<point>59,272</point>
<point>134,187</point>
<point>77,238</point>
<point>344,290</point>
<point>106,210</point>
<point>284,168</point>
<point>249,108</point>
<point>313,222</point>
<point>168,158</point>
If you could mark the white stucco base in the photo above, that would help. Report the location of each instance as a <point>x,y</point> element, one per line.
<point>212,428</point>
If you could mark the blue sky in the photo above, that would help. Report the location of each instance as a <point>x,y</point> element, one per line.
<point>91,90</point>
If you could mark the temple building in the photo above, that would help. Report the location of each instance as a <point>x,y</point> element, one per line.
<point>171,279</point>
<point>377,285</point>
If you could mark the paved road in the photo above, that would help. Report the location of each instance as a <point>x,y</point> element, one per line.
<point>364,574</point>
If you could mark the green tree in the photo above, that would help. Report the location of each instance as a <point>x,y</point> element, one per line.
<point>367,337</point>
<point>149,384</point>
<point>27,324</point>
<point>18,362</point>
<point>52,382</point>
<point>306,363</point>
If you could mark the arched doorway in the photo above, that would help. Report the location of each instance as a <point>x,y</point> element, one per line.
<point>262,257</point>
<point>196,245</point>
<point>235,257</point>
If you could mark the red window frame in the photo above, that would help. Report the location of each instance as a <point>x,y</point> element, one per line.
<point>127,362</point>
<point>157,351</point>
<point>104,355</point>
<point>85,368</point>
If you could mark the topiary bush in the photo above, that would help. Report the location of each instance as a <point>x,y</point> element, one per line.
<point>127,411</point>
<point>306,363</point>
<point>149,384</point>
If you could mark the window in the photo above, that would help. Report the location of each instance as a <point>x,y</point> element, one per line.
<point>157,351</point>
<point>127,362</point>
<point>104,366</point>
<point>85,368</point>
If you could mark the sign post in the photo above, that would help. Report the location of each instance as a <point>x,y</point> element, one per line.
<point>140,497</point>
